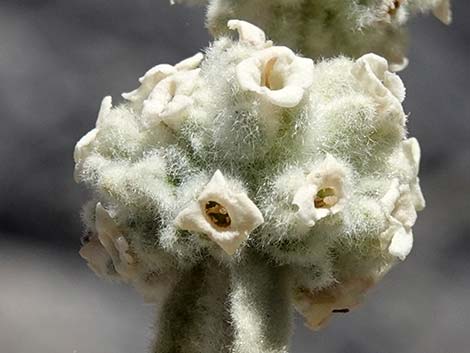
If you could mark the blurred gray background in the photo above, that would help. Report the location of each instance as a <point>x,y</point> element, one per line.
<point>59,58</point>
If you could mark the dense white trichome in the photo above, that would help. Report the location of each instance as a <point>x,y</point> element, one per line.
<point>252,147</point>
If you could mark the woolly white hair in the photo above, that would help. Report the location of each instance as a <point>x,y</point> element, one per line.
<point>251,178</point>
<point>327,28</point>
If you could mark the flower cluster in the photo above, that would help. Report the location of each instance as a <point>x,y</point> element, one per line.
<point>325,28</point>
<point>251,147</point>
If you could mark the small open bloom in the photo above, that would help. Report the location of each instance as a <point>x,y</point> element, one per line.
<point>225,215</point>
<point>112,239</point>
<point>249,33</point>
<point>373,75</point>
<point>401,202</point>
<point>98,259</point>
<point>84,146</point>
<point>393,11</point>
<point>277,75</point>
<point>165,92</point>
<point>323,193</point>
<point>157,74</point>
<point>170,98</point>
<point>317,307</point>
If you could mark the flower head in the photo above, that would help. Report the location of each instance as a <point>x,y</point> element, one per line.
<point>225,215</point>
<point>323,193</point>
<point>276,74</point>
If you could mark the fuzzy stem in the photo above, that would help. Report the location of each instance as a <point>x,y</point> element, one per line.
<point>194,318</point>
<point>213,309</point>
<point>260,306</point>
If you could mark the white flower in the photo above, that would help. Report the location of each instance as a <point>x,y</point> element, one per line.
<point>165,92</point>
<point>398,237</point>
<point>402,200</point>
<point>317,307</point>
<point>97,257</point>
<point>443,11</point>
<point>276,74</point>
<point>225,215</point>
<point>114,242</point>
<point>412,156</point>
<point>84,146</point>
<point>393,11</point>
<point>323,193</point>
<point>157,74</point>
<point>405,162</point>
<point>373,75</point>
<point>249,33</point>
<point>169,99</point>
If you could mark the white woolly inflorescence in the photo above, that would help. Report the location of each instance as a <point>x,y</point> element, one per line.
<point>251,148</point>
<point>328,28</point>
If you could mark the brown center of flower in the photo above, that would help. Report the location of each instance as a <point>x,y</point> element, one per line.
<point>325,198</point>
<point>217,214</point>
<point>394,7</point>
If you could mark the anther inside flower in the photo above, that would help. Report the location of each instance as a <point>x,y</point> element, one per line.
<point>217,214</point>
<point>394,7</point>
<point>323,193</point>
<point>325,198</point>
<point>223,212</point>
